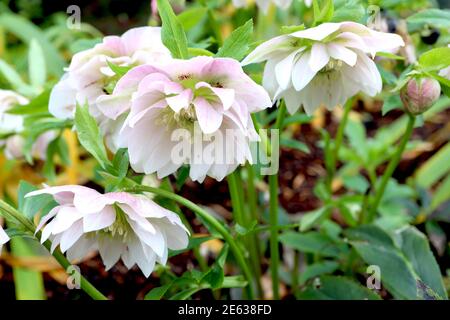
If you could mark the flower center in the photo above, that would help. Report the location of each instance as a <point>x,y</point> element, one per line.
<point>332,65</point>
<point>120,226</point>
<point>184,119</point>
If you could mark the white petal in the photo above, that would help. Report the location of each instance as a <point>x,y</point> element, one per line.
<point>208,118</point>
<point>302,73</point>
<point>319,57</point>
<point>99,220</point>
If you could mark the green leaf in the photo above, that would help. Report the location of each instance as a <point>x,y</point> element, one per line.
<point>237,44</point>
<point>121,162</point>
<point>89,135</point>
<point>172,32</point>
<point>435,59</point>
<point>194,52</point>
<point>431,17</point>
<point>294,144</point>
<point>312,242</point>
<point>441,194</point>
<point>38,104</point>
<point>413,258</point>
<point>348,10</point>
<point>31,205</point>
<point>192,17</point>
<point>337,288</point>
<point>309,219</point>
<point>185,294</point>
<point>37,70</point>
<point>391,103</point>
<point>158,292</point>
<point>317,269</point>
<point>14,79</point>
<point>118,70</point>
<point>324,13</point>
<point>234,282</point>
<point>434,168</point>
<point>193,242</point>
<point>27,31</point>
<point>417,250</point>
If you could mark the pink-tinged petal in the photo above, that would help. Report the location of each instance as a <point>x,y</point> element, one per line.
<point>70,236</point>
<point>351,40</point>
<point>187,69</point>
<point>114,45</point>
<point>134,76</point>
<point>383,42</point>
<point>72,189</point>
<point>180,101</point>
<point>177,238</point>
<point>110,250</point>
<point>318,33</point>
<point>209,119</point>
<point>302,74</point>
<point>112,106</point>
<point>56,240</point>
<point>47,218</point>
<point>319,57</point>
<point>226,96</point>
<point>65,218</point>
<point>153,240</point>
<point>340,52</point>
<point>81,248</point>
<point>62,101</point>
<point>266,50</point>
<point>99,220</point>
<point>143,38</point>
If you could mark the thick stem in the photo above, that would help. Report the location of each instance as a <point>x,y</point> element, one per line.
<point>390,169</point>
<point>16,217</point>
<point>211,221</point>
<point>273,216</point>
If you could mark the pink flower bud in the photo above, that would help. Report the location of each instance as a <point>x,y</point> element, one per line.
<point>419,94</point>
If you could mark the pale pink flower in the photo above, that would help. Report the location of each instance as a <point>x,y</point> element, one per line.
<point>89,76</point>
<point>11,126</point>
<point>119,224</point>
<point>324,65</point>
<point>214,93</point>
<point>265,4</point>
<point>3,238</point>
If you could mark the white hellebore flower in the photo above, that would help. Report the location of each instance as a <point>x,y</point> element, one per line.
<point>89,76</point>
<point>11,126</point>
<point>3,238</point>
<point>205,98</point>
<point>265,4</point>
<point>119,224</point>
<point>324,65</point>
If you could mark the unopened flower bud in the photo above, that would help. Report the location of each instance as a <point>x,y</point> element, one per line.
<point>419,94</point>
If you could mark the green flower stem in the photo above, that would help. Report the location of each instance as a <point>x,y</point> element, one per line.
<point>203,264</point>
<point>14,216</point>
<point>338,142</point>
<point>273,215</point>
<point>211,221</point>
<point>253,215</point>
<point>237,199</point>
<point>395,160</point>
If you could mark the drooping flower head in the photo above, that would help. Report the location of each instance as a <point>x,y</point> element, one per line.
<point>120,225</point>
<point>324,65</point>
<point>11,126</point>
<point>89,75</point>
<point>214,93</point>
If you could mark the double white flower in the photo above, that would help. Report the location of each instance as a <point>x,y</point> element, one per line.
<point>120,225</point>
<point>324,65</point>
<point>214,93</point>
<point>89,76</point>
